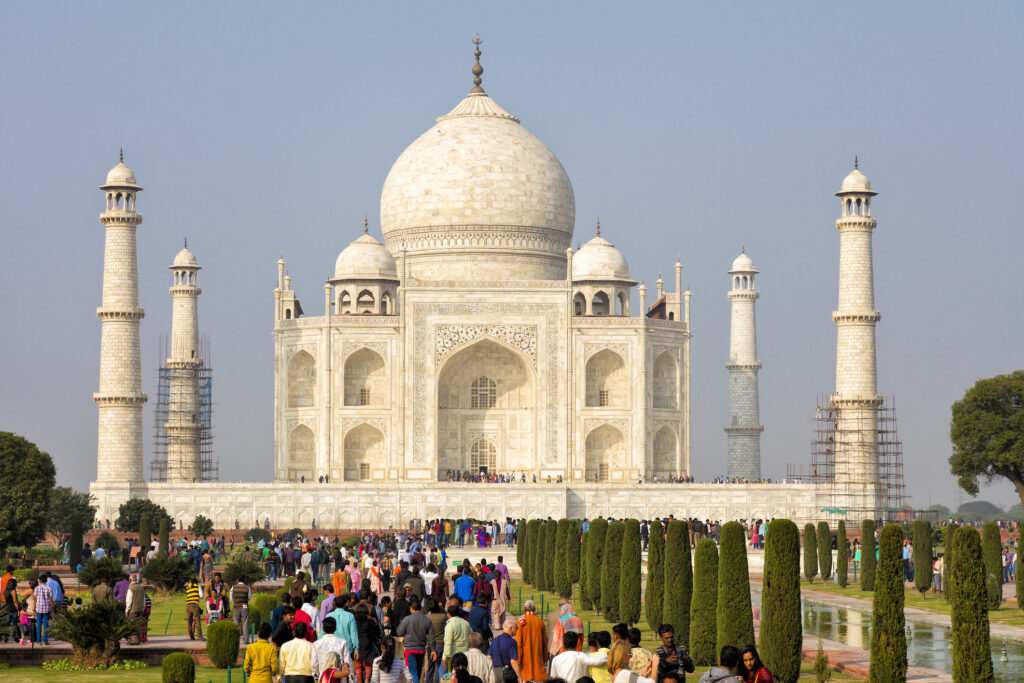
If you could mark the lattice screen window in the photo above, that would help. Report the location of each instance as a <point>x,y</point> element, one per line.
<point>364,470</point>
<point>483,393</point>
<point>483,454</point>
<point>364,397</point>
<point>602,398</point>
<point>602,471</point>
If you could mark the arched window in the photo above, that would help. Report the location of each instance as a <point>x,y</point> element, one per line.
<point>579,304</point>
<point>666,381</point>
<point>345,303</point>
<point>364,304</point>
<point>288,314</point>
<point>365,379</point>
<point>483,393</point>
<point>301,380</point>
<point>606,380</point>
<point>483,454</point>
<point>599,306</point>
<point>849,207</point>
<point>622,306</point>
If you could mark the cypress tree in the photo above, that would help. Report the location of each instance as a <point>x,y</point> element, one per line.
<point>572,554</point>
<point>165,538</point>
<point>610,571</point>
<point>75,545</point>
<point>922,556</point>
<point>537,555</point>
<point>654,594</point>
<point>523,552</point>
<point>678,580</point>
<point>563,585</point>
<point>972,656</point>
<point>781,629</point>
<point>533,528</point>
<point>842,555</point>
<point>867,555</point>
<point>584,584</point>
<point>550,554</point>
<point>145,537</point>
<point>810,552</point>
<point>629,573</point>
<point>888,637</point>
<point>991,549</point>
<point>735,614</point>
<point>704,604</point>
<point>520,528</point>
<point>824,551</point>
<point>947,559</point>
<point>595,555</point>
<point>1019,583</point>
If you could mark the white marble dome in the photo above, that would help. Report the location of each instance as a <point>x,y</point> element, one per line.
<point>479,197</point>
<point>365,259</point>
<point>598,259</point>
<point>743,264</point>
<point>856,182</point>
<point>120,176</point>
<point>185,258</point>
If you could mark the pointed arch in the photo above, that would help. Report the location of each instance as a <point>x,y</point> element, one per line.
<point>365,379</point>
<point>599,305</point>
<point>606,380</point>
<point>365,302</point>
<point>301,380</point>
<point>605,452</point>
<point>666,381</point>
<point>301,453</point>
<point>579,304</point>
<point>665,445</point>
<point>364,449</point>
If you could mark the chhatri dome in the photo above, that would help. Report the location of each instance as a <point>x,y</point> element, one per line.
<point>743,263</point>
<point>365,259</point>
<point>120,176</point>
<point>478,197</point>
<point>598,259</point>
<point>856,182</point>
<point>185,258</point>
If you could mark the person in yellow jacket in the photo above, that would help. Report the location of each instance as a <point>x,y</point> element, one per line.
<point>261,657</point>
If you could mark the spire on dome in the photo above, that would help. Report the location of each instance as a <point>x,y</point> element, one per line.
<point>366,225</point>
<point>743,248</point>
<point>186,243</point>
<point>856,162</point>
<point>598,226</point>
<point>122,155</point>
<point>477,69</point>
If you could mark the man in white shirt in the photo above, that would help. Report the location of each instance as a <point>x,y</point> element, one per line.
<point>479,663</point>
<point>309,608</point>
<point>571,665</point>
<point>329,643</point>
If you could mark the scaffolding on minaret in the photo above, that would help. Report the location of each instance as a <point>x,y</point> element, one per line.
<point>208,466</point>
<point>889,448</point>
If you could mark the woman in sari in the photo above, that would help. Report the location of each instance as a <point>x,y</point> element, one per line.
<point>481,537</point>
<point>375,584</point>
<point>499,602</point>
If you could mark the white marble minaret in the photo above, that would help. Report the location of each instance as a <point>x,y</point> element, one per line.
<point>120,397</point>
<point>183,419</point>
<point>856,398</point>
<point>744,428</point>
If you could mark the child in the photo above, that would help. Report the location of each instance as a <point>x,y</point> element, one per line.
<point>214,607</point>
<point>24,626</point>
<point>78,603</point>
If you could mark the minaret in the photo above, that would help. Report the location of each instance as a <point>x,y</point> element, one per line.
<point>120,397</point>
<point>744,428</point>
<point>856,399</point>
<point>183,416</point>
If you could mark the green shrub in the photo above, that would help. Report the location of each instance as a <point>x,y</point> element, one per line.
<point>629,573</point>
<point>296,534</point>
<point>842,556</point>
<point>585,601</point>
<point>610,571</point>
<point>822,672</point>
<point>288,583</point>
<point>678,580</point>
<point>530,552</point>
<point>991,550</point>
<point>144,537</point>
<point>257,534</point>
<point>178,667</point>
<point>520,536</point>
<point>704,604</point>
<point>163,538</point>
<point>168,574</point>
<point>222,643</point>
<point>735,613</point>
<point>106,570</point>
<point>867,555</point>
<point>810,552</point>
<point>537,557</point>
<point>95,632</point>
<point>595,555</point>
<point>248,572</point>
<point>922,556</point>
<point>278,594</point>
<point>201,526</point>
<point>108,542</point>
<point>972,656</point>
<point>572,551</point>
<point>350,541</point>
<point>75,544</point>
<point>888,639</point>
<point>781,629</point>
<point>824,551</point>
<point>260,608</point>
<point>948,532</point>
<point>550,554</point>
<point>654,591</point>
<point>134,509</point>
<point>563,585</point>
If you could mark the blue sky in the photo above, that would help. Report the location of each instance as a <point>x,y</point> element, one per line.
<point>688,128</point>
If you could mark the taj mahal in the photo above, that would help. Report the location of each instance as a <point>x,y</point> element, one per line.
<point>472,337</point>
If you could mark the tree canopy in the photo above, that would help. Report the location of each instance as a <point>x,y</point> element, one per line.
<point>66,506</point>
<point>130,512</point>
<point>27,476</point>
<point>201,526</point>
<point>987,432</point>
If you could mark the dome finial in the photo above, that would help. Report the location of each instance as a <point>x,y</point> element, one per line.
<point>856,162</point>
<point>743,248</point>
<point>122,155</point>
<point>477,69</point>
<point>598,226</point>
<point>366,225</point>
<point>186,243</point>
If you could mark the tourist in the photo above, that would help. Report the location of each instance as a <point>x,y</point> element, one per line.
<point>368,634</point>
<point>415,584</point>
<point>456,635</point>
<point>43,609</point>
<point>671,657</point>
<point>478,663</point>
<point>388,668</point>
<point>193,608</point>
<point>327,604</point>
<point>278,612</point>
<point>617,669</point>
<point>570,664</point>
<point>333,669</point>
<point>728,658</point>
<point>600,643</point>
<point>503,652</point>
<point>241,594</point>
<point>260,662</point>
<point>30,611</point>
<point>567,622</point>
<point>14,607</point>
<point>937,568</point>
<point>310,608</point>
<point>417,632</point>
<point>460,670</point>
<point>297,656</point>
<point>531,641</point>
<point>400,608</point>
<point>753,671</point>
<point>435,612</point>
<point>283,633</point>
<point>500,595</point>
<point>8,575</point>
<point>102,592</point>
<point>440,589</point>
<point>464,585</point>
<point>327,644</point>
<point>215,607</point>
<point>639,658</point>
<point>57,589</point>
<point>480,620</point>
<point>121,589</point>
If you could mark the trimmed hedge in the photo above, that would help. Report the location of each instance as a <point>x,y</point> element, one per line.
<point>654,595</point>
<point>735,613</point>
<point>810,552</point>
<point>949,531</point>
<point>991,550</point>
<point>520,529</point>
<point>585,602</point>
<point>824,551</point>
<point>678,580</point>
<point>529,541</point>
<point>75,544</point>
<point>867,555</point>
<point>145,537</point>
<point>629,573</point>
<point>595,554</point>
<point>842,556</point>
<point>563,585</point>
<point>781,628</point>
<point>260,608</point>
<point>888,638</point>
<point>972,656</point>
<point>539,576</point>
<point>164,538</point>
<point>704,605</point>
<point>610,571</point>
<point>573,551</point>
<point>178,667</point>
<point>922,556</point>
<point>222,643</point>
<point>550,553</point>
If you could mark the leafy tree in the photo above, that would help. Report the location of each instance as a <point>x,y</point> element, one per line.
<point>704,603</point>
<point>824,551</point>
<point>257,534</point>
<point>987,432</point>
<point>867,555</point>
<point>735,614</point>
<point>991,549</point>
<point>131,511</point>
<point>164,538</point>
<point>595,556</point>
<point>941,511</point>
<point>66,507</point>
<point>979,511</point>
<point>842,555</point>
<point>610,571</point>
<point>585,602</point>
<point>678,580</point>
<point>95,632</point>
<point>109,543</point>
<point>520,529</point>
<point>781,630</point>
<point>922,556</point>
<point>551,541</point>
<point>888,639</point>
<point>105,570</point>
<point>654,594</point>
<point>810,552</point>
<point>822,672</point>
<point>75,545</point>
<point>201,526</point>
<point>629,573</point>
<point>572,554</point>
<point>972,656</point>
<point>26,481</point>
<point>145,538</point>
<point>168,574</point>
<point>563,585</point>
<point>249,572</point>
